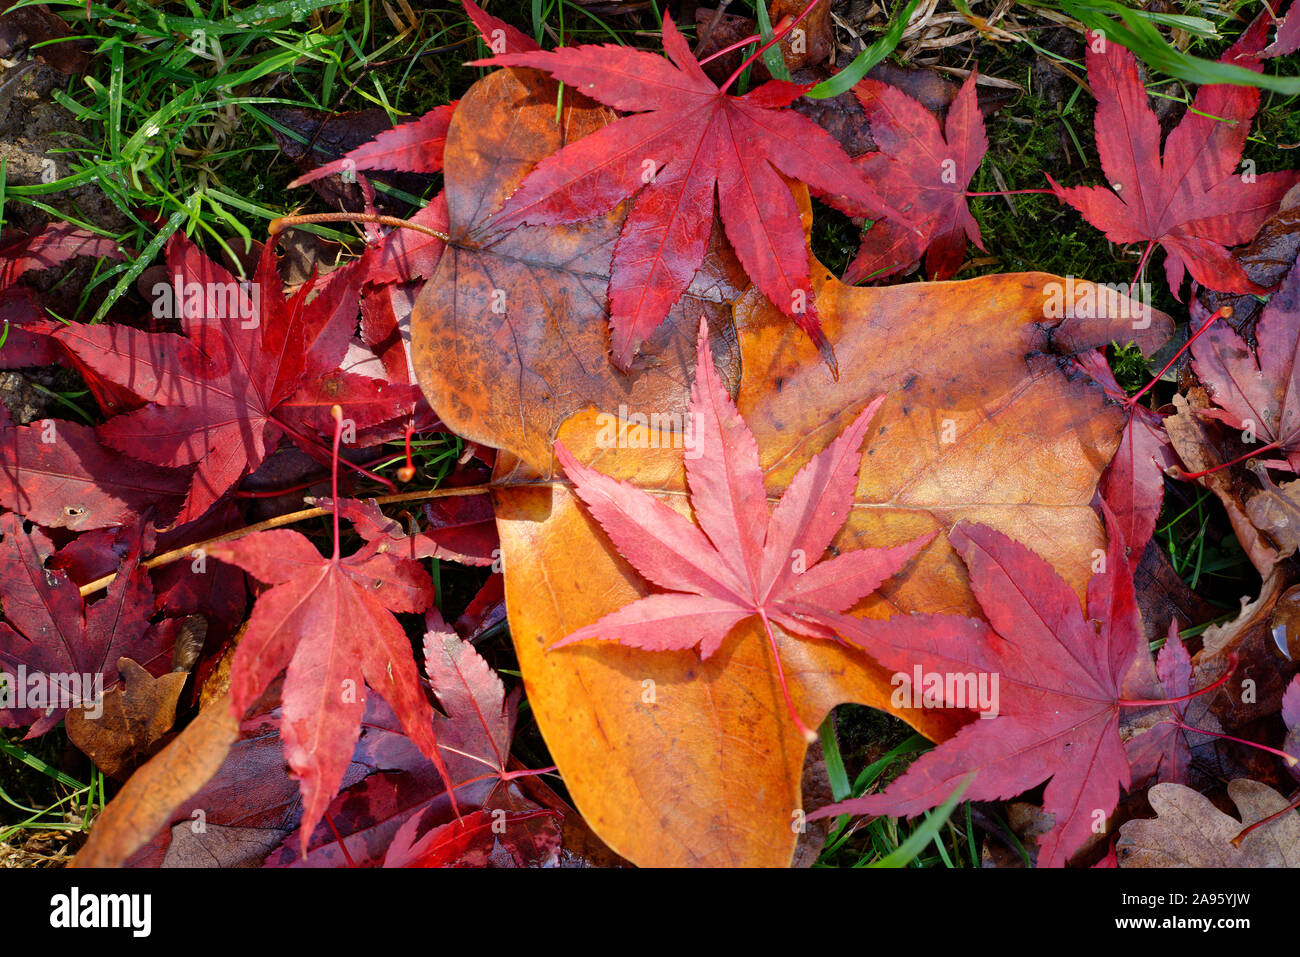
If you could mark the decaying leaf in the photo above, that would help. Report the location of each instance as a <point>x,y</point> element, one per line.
<point>1189,831</point>
<point>134,719</point>
<point>509,337</point>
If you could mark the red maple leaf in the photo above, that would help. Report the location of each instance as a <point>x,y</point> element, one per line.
<point>923,172</point>
<point>1133,484</point>
<point>740,560</point>
<point>1164,750</point>
<point>58,475</point>
<point>1258,392</point>
<point>385,817</point>
<point>475,736</point>
<point>414,147</point>
<point>402,255</point>
<point>251,367</point>
<point>460,529</point>
<point>499,36</point>
<point>329,622</point>
<point>58,641</point>
<point>1193,200</point>
<point>688,141</point>
<point>1055,705</point>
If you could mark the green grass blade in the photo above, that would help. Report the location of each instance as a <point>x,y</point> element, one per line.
<point>847,78</point>
<point>927,832</point>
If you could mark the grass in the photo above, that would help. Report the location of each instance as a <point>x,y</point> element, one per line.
<point>37,797</point>
<point>180,135</point>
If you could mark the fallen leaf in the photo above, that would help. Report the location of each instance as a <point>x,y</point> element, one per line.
<point>741,559</point>
<point>1258,392</point>
<point>1195,438</point>
<point>1049,687</point>
<point>524,310</point>
<point>147,799</point>
<point>252,367</point>
<point>59,475</point>
<point>1189,831</point>
<point>687,141</point>
<point>1192,199</point>
<point>923,172</point>
<point>1163,750</point>
<point>52,643</point>
<point>981,423</point>
<point>1134,482</point>
<point>329,622</point>
<point>134,720</point>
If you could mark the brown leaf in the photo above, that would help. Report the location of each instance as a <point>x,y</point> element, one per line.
<point>1275,511</point>
<point>1189,831</point>
<point>146,801</point>
<point>510,336</point>
<point>1201,447</point>
<point>133,721</point>
<point>672,760</point>
<point>660,749</point>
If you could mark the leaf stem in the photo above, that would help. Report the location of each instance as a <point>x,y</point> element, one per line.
<point>1222,680</point>
<point>1225,312</point>
<point>1295,803</point>
<point>1290,761</point>
<point>336,412</point>
<point>808,733</point>
<point>777,36</point>
<point>1141,264</point>
<point>735,46</point>
<point>1177,472</point>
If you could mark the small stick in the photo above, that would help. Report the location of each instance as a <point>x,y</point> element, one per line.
<point>176,554</point>
<point>283,222</point>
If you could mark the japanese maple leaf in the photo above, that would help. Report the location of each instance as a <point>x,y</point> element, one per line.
<point>1258,393</point>
<point>499,36</point>
<point>462,529</point>
<point>1164,749</point>
<point>416,147</point>
<point>403,254</point>
<point>740,560</point>
<point>1192,200</point>
<point>924,172</point>
<point>54,637</point>
<point>1055,706</point>
<point>59,475</point>
<point>688,141</point>
<point>329,622</point>
<point>1133,485</point>
<point>474,735</point>
<point>247,371</point>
